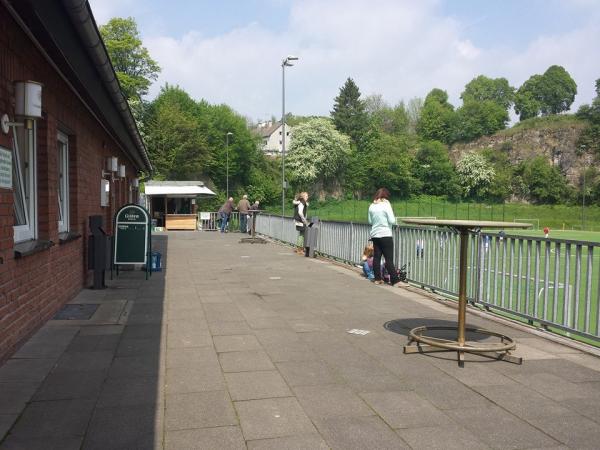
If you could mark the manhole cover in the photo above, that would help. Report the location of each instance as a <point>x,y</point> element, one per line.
<point>76,311</point>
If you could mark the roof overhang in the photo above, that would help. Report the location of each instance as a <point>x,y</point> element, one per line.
<point>66,34</point>
<point>178,191</point>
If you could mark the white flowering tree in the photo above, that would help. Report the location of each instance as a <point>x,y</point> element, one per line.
<point>475,174</point>
<point>318,153</point>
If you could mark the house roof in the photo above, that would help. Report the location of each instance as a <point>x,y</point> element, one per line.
<point>177,188</point>
<point>268,131</point>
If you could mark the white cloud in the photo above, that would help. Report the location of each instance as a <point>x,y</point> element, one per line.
<point>399,48</point>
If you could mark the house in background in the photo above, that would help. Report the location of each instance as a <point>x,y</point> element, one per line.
<point>271,134</point>
<point>69,149</point>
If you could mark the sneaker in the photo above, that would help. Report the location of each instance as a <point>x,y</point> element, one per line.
<point>378,281</point>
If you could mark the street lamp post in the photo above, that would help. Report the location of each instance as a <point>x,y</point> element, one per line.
<point>285,63</point>
<point>583,194</point>
<point>227,152</point>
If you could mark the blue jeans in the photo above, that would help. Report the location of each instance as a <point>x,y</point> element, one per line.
<point>224,220</point>
<point>368,270</point>
<point>243,222</point>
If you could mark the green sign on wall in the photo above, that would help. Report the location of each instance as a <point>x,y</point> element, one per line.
<point>132,235</point>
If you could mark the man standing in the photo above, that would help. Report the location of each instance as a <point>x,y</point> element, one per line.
<point>225,213</point>
<point>243,206</point>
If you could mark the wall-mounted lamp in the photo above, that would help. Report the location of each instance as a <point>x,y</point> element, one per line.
<point>135,182</point>
<point>28,104</point>
<point>122,171</point>
<point>112,164</point>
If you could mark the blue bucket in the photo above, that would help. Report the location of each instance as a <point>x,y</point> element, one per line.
<point>155,262</point>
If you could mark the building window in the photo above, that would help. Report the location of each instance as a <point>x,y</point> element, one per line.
<point>63,182</point>
<point>25,182</point>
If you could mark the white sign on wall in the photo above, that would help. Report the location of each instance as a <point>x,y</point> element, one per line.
<point>5,169</point>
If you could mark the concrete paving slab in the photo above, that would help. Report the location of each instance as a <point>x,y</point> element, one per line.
<point>358,433</point>
<point>55,418</point>
<point>331,401</point>
<point>94,343</point>
<point>245,361</point>
<point>180,380</point>
<point>222,438</point>
<point>589,407</point>
<point>308,373</point>
<point>405,409</point>
<point>136,391</point>
<point>15,396</point>
<point>273,418</point>
<point>45,443</point>
<point>573,431</point>
<point>547,385</point>
<point>447,437</point>
<point>199,410</point>
<point>500,429</point>
<point>94,330</point>
<point>23,370</point>
<point>84,361</point>
<point>124,427</point>
<point>313,442</point>
<point>138,347</point>
<point>66,385</point>
<point>229,328</point>
<point>6,422</point>
<point>134,366</point>
<point>192,357</point>
<point>256,385</point>
<point>236,343</point>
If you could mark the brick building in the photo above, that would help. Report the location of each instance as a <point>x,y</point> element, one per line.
<point>58,160</point>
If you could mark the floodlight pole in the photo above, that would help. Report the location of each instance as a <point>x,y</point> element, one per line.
<point>285,63</point>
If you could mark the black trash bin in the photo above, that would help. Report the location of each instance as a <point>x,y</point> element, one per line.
<point>99,251</point>
<point>311,237</point>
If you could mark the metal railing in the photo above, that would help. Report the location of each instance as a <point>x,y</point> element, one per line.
<point>551,282</point>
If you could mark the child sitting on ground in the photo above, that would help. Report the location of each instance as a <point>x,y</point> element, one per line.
<point>367,262</point>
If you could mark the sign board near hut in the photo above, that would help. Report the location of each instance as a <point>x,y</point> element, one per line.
<point>132,235</point>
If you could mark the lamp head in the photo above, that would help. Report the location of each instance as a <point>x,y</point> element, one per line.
<point>229,133</point>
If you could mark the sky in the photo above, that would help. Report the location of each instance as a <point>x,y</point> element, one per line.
<point>230,51</point>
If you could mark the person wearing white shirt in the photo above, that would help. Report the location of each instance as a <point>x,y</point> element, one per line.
<point>382,220</point>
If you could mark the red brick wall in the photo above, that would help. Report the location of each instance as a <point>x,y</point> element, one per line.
<point>34,287</point>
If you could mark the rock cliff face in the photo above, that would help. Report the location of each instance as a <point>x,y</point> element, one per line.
<point>556,143</point>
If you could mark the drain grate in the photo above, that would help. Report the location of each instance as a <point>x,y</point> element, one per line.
<point>76,311</point>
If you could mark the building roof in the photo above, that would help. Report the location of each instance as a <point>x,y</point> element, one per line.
<point>269,130</point>
<point>177,188</point>
<point>66,34</point>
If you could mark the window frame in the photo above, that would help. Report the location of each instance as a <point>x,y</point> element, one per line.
<point>63,182</point>
<point>27,231</point>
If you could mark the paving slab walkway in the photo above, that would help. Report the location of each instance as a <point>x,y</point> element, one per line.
<point>240,346</point>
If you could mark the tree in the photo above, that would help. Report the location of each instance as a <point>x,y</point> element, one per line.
<point>390,166</point>
<point>501,187</point>
<point>475,175</point>
<point>479,118</point>
<point>550,93</point>
<point>413,110</point>
<point>437,119</point>
<point>482,89</point>
<point>558,90</point>
<point>384,117</point>
<point>133,65</point>
<point>349,115</point>
<point>543,182</point>
<point>590,136</point>
<point>317,154</point>
<point>432,166</point>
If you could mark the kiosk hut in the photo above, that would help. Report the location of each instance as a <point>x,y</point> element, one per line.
<point>173,203</point>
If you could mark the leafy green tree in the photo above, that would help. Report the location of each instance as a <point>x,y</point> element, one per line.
<point>590,136</point>
<point>387,119</point>
<point>413,110</point>
<point>349,115</point>
<point>482,89</point>
<point>479,118</point>
<point>501,187</point>
<point>437,120</point>
<point>550,93</point>
<point>475,175</point>
<point>436,173</point>
<point>317,154</point>
<point>558,90</point>
<point>175,141</point>
<point>133,65</point>
<point>543,182</point>
<point>390,166</point>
